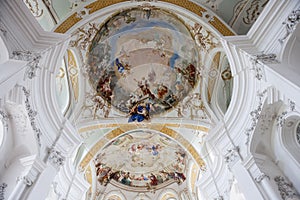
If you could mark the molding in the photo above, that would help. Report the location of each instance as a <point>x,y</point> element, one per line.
<point>22,29</point>
<point>267,29</point>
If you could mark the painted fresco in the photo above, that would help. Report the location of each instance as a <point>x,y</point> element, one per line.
<point>143,62</point>
<point>141,159</point>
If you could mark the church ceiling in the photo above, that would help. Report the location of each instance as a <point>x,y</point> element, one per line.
<point>238,14</point>
<point>138,80</point>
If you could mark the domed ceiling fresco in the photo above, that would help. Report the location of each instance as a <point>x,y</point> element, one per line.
<point>143,57</point>
<point>141,158</point>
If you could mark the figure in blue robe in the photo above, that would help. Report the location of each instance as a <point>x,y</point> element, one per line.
<point>173,60</point>
<point>154,150</point>
<point>120,66</point>
<point>139,113</point>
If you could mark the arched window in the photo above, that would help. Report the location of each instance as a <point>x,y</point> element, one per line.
<point>67,86</point>
<point>62,87</point>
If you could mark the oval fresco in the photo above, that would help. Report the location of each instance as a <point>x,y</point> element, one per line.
<point>141,158</point>
<point>143,56</point>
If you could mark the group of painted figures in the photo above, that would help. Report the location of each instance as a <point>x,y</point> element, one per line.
<point>105,174</point>
<point>140,104</point>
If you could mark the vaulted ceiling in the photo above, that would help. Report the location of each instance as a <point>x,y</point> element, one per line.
<point>237,14</point>
<point>143,82</point>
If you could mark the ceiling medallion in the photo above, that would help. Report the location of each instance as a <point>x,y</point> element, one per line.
<point>143,62</point>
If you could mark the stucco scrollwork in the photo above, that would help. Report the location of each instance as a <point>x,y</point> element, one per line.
<point>33,6</point>
<point>85,36</point>
<point>298,133</point>
<point>290,24</point>
<point>258,61</point>
<point>4,118</point>
<point>56,158</point>
<point>25,180</point>
<point>203,37</point>
<point>292,105</point>
<point>33,61</point>
<point>3,29</point>
<point>192,107</point>
<point>232,155</point>
<point>286,189</point>
<point>280,120</point>
<point>31,115</point>
<point>3,186</point>
<point>266,58</point>
<point>255,115</point>
<point>253,11</point>
<point>260,177</point>
<point>219,198</point>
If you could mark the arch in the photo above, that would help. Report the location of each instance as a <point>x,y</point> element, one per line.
<point>286,148</point>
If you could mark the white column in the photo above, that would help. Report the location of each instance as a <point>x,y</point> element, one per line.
<point>41,188</point>
<point>43,184</point>
<point>20,189</point>
<point>245,181</point>
<point>32,169</point>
